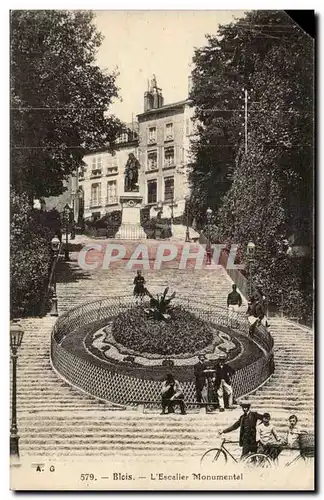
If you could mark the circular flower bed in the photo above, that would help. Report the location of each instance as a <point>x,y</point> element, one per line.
<point>183,333</point>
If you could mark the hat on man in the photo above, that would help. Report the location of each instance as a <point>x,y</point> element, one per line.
<point>245,404</point>
<point>201,356</point>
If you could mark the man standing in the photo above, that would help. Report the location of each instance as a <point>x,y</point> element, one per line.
<point>223,383</point>
<point>234,302</point>
<point>139,288</point>
<point>200,376</point>
<point>247,424</point>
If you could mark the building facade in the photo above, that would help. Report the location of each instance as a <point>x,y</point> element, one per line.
<point>160,140</point>
<point>164,140</point>
<point>101,180</point>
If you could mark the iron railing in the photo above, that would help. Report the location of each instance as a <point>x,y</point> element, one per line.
<point>119,384</point>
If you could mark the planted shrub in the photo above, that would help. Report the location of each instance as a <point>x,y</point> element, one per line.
<point>29,258</point>
<point>184,333</point>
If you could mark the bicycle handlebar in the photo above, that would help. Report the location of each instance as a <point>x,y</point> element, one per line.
<point>229,441</point>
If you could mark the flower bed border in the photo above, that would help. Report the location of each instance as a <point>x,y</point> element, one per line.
<point>119,383</point>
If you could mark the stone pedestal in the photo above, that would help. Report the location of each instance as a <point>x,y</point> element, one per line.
<point>131,228</point>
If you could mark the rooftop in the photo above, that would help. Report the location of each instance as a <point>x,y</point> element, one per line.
<point>173,105</point>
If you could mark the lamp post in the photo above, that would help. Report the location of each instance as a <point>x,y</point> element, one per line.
<point>16,336</point>
<point>73,195</point>
<point>209,214</point>
<point>172,202</point>
<point>250,251</point>
<point>66,220</point>
<point>55,247</point>
<point>187,198</point>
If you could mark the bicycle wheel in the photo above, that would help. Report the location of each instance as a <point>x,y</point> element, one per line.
<point>258,460</point>
<point>214,455</point>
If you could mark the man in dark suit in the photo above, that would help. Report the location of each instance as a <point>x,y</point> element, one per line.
<point>223,383</point>
<point>200,376</point>
<point>247,423</point>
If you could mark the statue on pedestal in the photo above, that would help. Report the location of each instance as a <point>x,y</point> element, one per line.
<point>131,173</point>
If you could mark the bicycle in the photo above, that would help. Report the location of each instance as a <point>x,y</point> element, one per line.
<point>221,454</point>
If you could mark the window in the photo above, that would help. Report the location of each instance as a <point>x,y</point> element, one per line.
<point>111,192</point>
<point>95,194</point>
<point>96,166</point>
<point>169,132</point>
<point>152,160</point>
<point>169,189</point>
<point>169,157</point>
<point>152,135</point>
<point>112,170</point>
<point>82,171</point>
<point>122,138</point>
<point>190,126</point>
<point>151,191</point>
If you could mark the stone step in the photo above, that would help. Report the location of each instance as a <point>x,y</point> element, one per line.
<point>57,420</point>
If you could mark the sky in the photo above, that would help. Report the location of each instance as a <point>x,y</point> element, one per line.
<point>140,43</point>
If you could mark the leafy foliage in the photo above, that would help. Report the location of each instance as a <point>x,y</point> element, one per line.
<point>184,333</point>
<point>29,257</point>
<point>59,98</point>
<point>270,198</point>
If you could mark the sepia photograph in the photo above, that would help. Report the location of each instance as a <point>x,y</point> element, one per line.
<point>162,234</point>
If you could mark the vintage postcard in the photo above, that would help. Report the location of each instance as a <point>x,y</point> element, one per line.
<point>161,226</point>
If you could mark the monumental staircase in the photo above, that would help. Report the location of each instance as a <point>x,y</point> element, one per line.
<point>56,420</point>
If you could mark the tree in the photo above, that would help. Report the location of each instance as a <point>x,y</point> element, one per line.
<point>231,61</point>
<point>59,98</point>
<point>270,198</point>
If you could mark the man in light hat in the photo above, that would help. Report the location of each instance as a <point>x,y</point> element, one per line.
<point>223,382</point>
<point>247,424</point>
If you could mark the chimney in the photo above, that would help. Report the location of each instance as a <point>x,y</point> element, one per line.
<point>160,99</point>
<point>148,101</point>
<point>153,98</point>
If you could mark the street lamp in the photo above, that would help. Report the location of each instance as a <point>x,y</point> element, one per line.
<point>209,214</point>
<point>73,195</point>
<point>250,251</point>
<point>187,198</point>
<point>16,336</point>
<point>55,247</point>
<point>66,220</point>
<point>172,203</point>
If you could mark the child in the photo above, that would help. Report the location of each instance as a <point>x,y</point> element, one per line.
<point>269,442</point>
<point>293,433</point>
